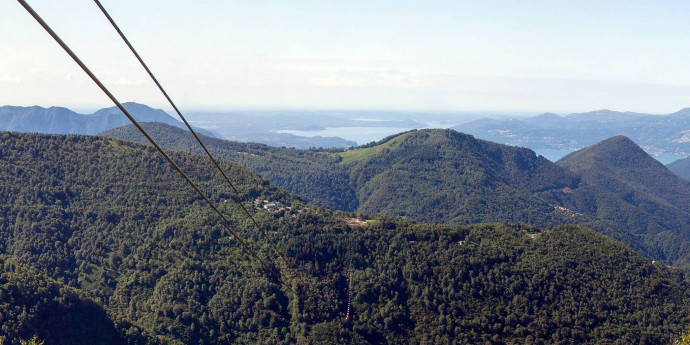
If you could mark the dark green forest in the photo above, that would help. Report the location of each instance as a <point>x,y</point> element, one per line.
<point>312,174</point>
<point>463,180</point>
<point>622,183</point>
<point>446,177</point>
<point>102,242</point>
<point>433,176</point>
<point>33,304</point>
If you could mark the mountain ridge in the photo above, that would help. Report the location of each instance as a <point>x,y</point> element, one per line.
<point>323,178</point>
<point>59,120</point>
<point>656,134</point>
<point>444,176</point>
<point>463,165</point>
<point>112,220</point>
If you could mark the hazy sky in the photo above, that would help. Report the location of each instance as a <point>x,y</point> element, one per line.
<point>560,56</point>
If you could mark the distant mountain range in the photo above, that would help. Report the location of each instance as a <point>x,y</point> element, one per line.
<point>667,137</point>
<point>656,134</point>
<point>443,176</point>
<point>58,120</point>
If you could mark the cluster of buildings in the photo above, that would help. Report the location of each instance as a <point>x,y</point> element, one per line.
<point>271,206</point>
<point>567,211</point>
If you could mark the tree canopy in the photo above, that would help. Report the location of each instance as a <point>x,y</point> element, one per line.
<point>103,230</point>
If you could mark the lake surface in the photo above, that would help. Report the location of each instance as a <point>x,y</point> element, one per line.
<point>360,135</point>
<point>364,135</point>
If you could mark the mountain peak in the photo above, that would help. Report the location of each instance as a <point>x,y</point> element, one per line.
<point>618,160</point>
<point>611,152</point>
<point>617,140</point>
<point>136,104</point>
<point>547,120</point>
<point>547,114</point>
<point>131,107</point>
<point>141,112</point>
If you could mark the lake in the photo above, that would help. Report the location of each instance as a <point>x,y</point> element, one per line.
<point>360,135</point>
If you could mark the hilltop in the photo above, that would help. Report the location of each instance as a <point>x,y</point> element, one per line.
<point>620,182</point>
<point>445,176</point>
<point>429,175</point>
<point>110,221</point>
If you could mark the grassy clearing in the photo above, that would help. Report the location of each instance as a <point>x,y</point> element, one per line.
<point>91,277</point>
<point>357,155</point>
<point>119,147</point>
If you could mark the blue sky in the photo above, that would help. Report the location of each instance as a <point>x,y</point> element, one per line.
<point>559,56</point>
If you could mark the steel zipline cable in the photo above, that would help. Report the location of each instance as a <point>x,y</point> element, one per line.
<point>76,59</point>
<point>160,87</point>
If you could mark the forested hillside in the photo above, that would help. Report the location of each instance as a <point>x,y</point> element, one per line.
<point>110,220</point>
<point>444,176</point>
<point>621,183</point>
<point>313,175</point>
<point>431,175</point>
<point>32,304</point>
